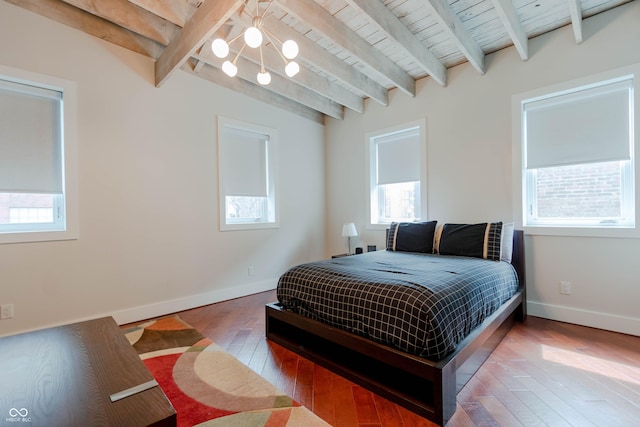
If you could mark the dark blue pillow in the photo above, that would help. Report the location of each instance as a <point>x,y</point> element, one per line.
<point>411,236</point>
<point>473,240</point>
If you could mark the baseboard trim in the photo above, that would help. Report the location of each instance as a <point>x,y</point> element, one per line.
<point>593,319</point>
<point>148,311</point>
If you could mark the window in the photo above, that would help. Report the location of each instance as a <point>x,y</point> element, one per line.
<point>246,161</point>
<point>37,158</point>
<point>578,157</point>
<point>397,175</point>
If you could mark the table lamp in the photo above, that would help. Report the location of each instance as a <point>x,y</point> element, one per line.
<point>349,231</point>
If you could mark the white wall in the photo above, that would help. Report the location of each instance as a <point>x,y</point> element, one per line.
<point>470,166</point>
<point>149,239</point>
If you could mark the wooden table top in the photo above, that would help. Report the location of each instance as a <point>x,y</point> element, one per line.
<point>65,376</point>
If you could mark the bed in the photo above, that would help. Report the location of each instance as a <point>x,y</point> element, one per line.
<point>422,347</point>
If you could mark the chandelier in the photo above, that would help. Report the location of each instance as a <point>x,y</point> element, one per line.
<point>253,37</point>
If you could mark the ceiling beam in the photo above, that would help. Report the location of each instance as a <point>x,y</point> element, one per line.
<point>249,89</point>
<point>396,30</point>
<point>204,57</point>
<point>576,19</point>
<point>131,17</point>
<point>333,29</point>
<point>461,37</point>
<point>512,24</point>
<point>177,12</point>
<point>202,25</point>
<point>78,19</point>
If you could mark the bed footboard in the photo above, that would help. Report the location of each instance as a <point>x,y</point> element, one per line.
<point>425,387</point>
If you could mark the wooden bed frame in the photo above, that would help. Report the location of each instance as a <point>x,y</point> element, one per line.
<point>425,387</point>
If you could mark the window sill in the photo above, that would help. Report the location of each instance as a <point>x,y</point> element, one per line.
<point>613,232</point>
<point>37,236</point>
<point>249,226</point>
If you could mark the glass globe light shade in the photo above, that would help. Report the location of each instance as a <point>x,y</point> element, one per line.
<point>229,69</point>
<point>264,78</point>
<point>292,69</point>
<point>253,37</point>
<point>290,49</point>
<point>220,48</point>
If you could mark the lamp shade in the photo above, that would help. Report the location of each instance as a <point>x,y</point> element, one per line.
<point>264,78</point>
<point>229,68</point>
<point>290,49</point>
<point>220,48</point>
<point>349,230</point>
<point>253,37</point>
<point>292,68</point>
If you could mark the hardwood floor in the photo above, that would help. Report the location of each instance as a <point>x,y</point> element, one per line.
<point>543,373</point>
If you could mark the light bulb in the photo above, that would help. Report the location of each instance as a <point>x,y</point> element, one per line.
<point>292,69</point>
<point>290,49</point>
<point>229,69</point>
<point>264,78</point>
<point>220,48</point>
<point>253,37</point>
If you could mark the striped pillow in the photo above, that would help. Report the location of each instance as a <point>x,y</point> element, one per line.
<point>411,236</point>
<point>473,240</point>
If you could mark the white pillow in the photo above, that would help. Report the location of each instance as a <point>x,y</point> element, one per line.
<point>506,242</point>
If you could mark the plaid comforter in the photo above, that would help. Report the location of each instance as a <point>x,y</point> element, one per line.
<point>422,304</point>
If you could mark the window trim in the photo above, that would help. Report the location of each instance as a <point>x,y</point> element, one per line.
<point>371,187</point>
<point>71,229</point>
<point>518,158</point>
<point>272,180</point>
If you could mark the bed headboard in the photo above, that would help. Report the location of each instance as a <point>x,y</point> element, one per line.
<point>517,257</point>
<point>518,262</point>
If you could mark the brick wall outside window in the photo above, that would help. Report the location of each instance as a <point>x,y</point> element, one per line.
<point>582,191</point>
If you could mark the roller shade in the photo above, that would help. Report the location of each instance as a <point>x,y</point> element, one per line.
<point>30,139</point>
<point>587,126</point>
<point>399,157</point>
<point>245,163</point>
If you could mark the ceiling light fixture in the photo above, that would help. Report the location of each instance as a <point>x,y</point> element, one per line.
<point>254,38</point>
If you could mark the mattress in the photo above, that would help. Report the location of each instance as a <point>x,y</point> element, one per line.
<point>422,304</point>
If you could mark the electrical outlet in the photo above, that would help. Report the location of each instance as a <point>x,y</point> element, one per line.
<point>6,311</point>
<point>250,270</point>
<point>565,288</point>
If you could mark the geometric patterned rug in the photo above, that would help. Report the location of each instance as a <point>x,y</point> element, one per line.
<point>209,387</point>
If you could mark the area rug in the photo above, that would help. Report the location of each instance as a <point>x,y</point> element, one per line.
<point>208,386</point>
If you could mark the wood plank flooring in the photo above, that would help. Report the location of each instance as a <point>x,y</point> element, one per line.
<point>543,373</point>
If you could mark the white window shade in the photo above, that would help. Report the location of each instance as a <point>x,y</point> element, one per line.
<point>399,157</point>
<point>246,163</point>
<point>586,126</point>
<point>30,139</point>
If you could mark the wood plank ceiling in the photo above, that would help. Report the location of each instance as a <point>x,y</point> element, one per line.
<point>350,50</point>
